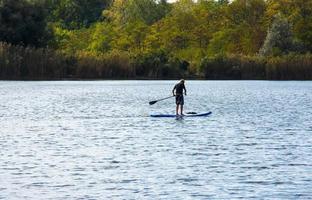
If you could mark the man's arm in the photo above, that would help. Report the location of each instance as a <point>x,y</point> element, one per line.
<point>173,90</point>
<point>184,90</point>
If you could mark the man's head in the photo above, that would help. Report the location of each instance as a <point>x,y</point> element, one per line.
<point>182,81</point>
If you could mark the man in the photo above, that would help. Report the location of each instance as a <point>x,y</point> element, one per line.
<point>178,93</point>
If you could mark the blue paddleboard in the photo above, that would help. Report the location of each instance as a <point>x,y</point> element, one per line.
<point>187,115</point>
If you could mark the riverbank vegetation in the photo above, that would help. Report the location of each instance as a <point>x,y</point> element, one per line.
<point>148,39</point>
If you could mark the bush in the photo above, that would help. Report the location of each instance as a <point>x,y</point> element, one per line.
<point>290,67</point>
<point>220,68</point>
<point>18,62</point>
<point>287,67</point>
<point>112,65</point>
<point>159,65</point>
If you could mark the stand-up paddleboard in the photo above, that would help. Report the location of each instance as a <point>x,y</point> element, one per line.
<point>187,115</point>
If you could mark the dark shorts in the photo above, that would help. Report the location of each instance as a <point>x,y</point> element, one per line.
<point>179,99</point>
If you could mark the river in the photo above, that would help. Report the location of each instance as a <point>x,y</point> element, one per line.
<point>95,140</point>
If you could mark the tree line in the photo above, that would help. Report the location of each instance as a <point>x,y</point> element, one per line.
<point>240,39</point>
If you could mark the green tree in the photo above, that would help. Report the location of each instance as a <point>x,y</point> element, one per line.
<point>75,14</point>
<point>208,15</point>
<point>223,1</point>
<point>175,30</point>
<point>279,38</point>
<point>245,23</point>
<point>146,11</point>
<point>299,15</point>
<point>22,22</point>
<point>102,37</point>
<point>73,41</point>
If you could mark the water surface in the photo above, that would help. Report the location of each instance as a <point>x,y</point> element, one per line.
<point>95,140</point>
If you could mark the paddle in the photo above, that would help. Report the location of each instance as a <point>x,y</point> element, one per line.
<point>153,102</point>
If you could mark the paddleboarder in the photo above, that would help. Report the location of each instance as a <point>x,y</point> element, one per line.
<point>178,93</point>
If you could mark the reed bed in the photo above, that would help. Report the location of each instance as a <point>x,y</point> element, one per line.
<point>27,63</point>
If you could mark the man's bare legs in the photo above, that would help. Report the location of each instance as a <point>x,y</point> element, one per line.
<point>179,108</point>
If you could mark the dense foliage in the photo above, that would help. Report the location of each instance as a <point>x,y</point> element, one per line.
<point>23,22</point>
<point>240,39</point>
<point>75,14</point>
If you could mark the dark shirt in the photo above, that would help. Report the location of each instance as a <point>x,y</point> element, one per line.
<point>179,88</point>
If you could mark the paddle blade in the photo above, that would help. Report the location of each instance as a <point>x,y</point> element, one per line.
<point>152,102</point>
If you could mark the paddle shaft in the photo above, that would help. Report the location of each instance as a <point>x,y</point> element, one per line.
<point>165,98</point>
<point>153,102</point>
